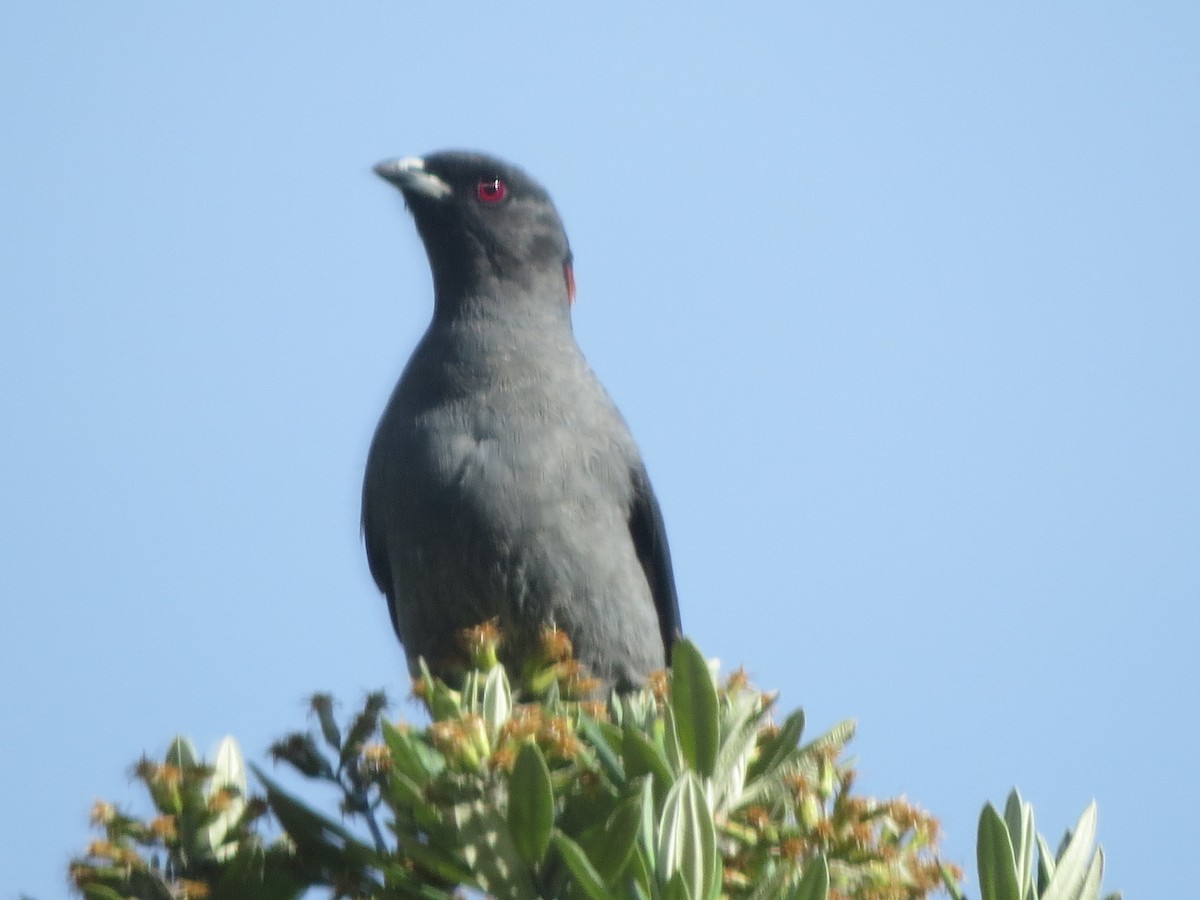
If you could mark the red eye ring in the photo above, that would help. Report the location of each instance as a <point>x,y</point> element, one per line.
<point>491,191</point>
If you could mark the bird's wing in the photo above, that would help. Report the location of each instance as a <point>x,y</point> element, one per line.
<point>375,537</point>
<point>650,541</point>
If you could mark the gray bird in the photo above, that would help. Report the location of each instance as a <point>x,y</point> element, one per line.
<point>502,482</point>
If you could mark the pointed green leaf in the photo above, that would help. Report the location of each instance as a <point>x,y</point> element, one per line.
<point>411,755</point>
<point>439,862</point>
<point>837,737</point>
<point>100,892</point>
<point>740,722</point>
<point>1072,864</point>
<point>953,888</point>
<point>1018,817</point>
<point>1090,889</point>
<point>1045,865</point>
<point>601,737</point>
<point>229,774</point>
<point>772,886</point>
<point>301,822</point>
<point>694,703</point>
<point>997,866</point>
<point>814,883</point>
<point>300,751</point>
<point>363,726</point>
<point>470,693</point>
<point>614,846</point>
<point>530,803</point>
<point>778,747</point>
<point>181,797</point>
<point>687,839</point>
<point>584,873</point>
<point>181,753</point>
<point>639,709</point>
<point>321,843</point>
<point>644,757</point>
<point>649,830</point>
<point>442,703</point>
<point>640,880</point>
<point>490,849</point>
<point>229,768</point>
<point>716,878</point>
<point>675,757</point>
<point>677,888</point>
<point>497,701</point>
<point>322,705</point>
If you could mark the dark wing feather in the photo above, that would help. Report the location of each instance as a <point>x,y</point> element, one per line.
<point>650,541</point>
<point>375,538</point>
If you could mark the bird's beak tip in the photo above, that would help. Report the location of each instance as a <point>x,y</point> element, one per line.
<point>395,169</point>
<point>410,175</point>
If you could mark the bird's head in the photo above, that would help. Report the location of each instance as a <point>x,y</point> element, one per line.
<point>487,226</point>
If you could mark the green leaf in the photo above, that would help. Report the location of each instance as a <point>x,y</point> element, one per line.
<point>229,768</point>
<point>716,876</point>
<point>836,737</point>
<point>997,867</point>
<point>740,720</point>
<point>640,880</point>
<point>261,874</point>
<point>411,755</point>
<point>583,807</point>
<point>100,892</point>
<point>612,850</point>
<point>301,822</point>
<point>644,757</point>
<point>323,846</point>
<point>687,839</point>
<point>489,847</point>
<point>584,873</point>
<point>435,861</point>
<point>530,803</point>
<point>639,709</point>
<point>953,888</point>
<point>1018,817</point>
<point>694,703</point>
<point>322,705</point>
<point>772,886</point>
<point>182,797</point>
<point>300,751</point>
<point>1072,864</point>
<point>363,726</point>
<point>442,702</point>
<point>648,831</point>
<point>497,701</point>
<point>1090,890</point>
<point>677,888</point>
<point>229,774</point>
<point>602,744</point>
<point>778,747</point>
<point>181,753</point>
<point>1045,865</point>
<point>814,883</point>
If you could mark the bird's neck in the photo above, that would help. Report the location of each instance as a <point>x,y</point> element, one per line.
<point>536,303</point>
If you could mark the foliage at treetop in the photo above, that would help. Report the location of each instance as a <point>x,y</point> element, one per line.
<point>687,789</point>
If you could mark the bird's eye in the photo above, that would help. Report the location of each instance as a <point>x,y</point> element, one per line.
<point>492,190</point>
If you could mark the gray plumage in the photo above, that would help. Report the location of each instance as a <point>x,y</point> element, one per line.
<point>502,482</point>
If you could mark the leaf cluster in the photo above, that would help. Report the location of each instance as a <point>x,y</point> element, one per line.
<point>202,841</point>
<point>685,790</point>
<point>1016,863</point>
<point>690,789</point>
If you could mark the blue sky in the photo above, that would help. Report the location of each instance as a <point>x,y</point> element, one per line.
<point>901,302</point>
